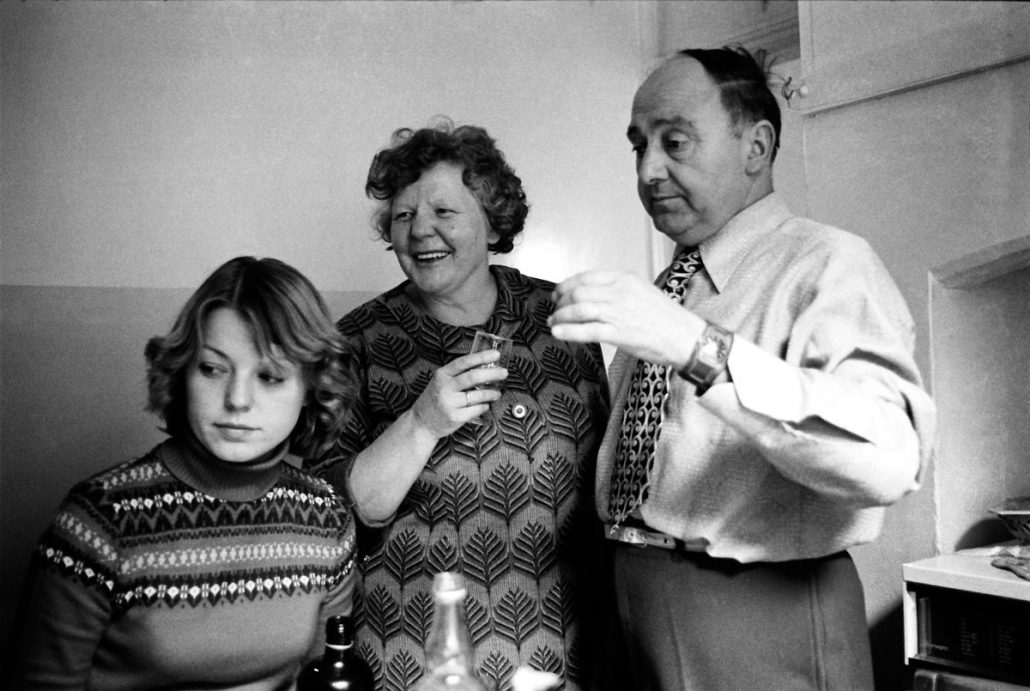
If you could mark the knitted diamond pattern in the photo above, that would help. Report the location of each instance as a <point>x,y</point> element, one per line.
<point>143,538</point>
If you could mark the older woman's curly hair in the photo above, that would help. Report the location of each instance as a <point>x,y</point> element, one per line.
<point>485,173</point>
<point>286,316</point>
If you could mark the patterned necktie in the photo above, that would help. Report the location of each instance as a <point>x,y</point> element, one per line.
<point>642,418</point>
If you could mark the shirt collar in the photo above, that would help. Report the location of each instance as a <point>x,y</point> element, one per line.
<point>722,252</point>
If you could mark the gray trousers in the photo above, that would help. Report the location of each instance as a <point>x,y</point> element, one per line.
<point>690,622</point>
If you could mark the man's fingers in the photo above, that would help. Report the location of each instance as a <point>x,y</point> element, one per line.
<point>587,279</point>
<point>587,294</point>
<point>577,313</point>
<point>590,332</point>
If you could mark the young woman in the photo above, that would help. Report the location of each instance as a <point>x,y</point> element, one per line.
<point>212,561</point>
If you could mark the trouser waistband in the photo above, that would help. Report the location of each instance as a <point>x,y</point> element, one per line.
<point>645,537</point>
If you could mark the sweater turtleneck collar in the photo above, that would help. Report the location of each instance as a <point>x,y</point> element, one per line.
<point>188,460</point>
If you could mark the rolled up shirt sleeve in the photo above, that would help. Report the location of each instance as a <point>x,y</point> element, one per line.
<point>857,434</point>
<point>832,397</point>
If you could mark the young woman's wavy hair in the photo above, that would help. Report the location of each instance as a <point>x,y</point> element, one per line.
<point>486,174</point>
<point>287,316</point>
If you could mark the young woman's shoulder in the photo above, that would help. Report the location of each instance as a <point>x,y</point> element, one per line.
<point>83,539</point>
<point>123,481</point>
<point>311,489</point>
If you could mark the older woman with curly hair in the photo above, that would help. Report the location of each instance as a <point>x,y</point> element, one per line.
<point>505,500</point>
<point>214,560</point>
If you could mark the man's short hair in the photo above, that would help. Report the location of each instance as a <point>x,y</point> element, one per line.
<point>743,80</point>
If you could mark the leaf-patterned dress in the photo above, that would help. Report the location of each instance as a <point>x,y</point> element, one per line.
<point>507,503</point>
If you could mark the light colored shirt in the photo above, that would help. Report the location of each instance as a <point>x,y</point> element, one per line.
<point>825,422</point>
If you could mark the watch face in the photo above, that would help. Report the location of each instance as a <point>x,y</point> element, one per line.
<point>710,356</point>
<point>713,349</point>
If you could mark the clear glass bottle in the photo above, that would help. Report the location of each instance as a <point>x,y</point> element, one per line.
<point>339,668</point>
<point>528,679</point>
<point>449,665</point>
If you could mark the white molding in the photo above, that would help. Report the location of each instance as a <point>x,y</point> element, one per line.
<point>648,36</point>
<point>937,56</point>
<point>970,572</point>
<point>975,268</point>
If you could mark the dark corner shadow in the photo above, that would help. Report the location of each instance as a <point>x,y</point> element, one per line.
<point>887,639</point>
<point>988,531</point>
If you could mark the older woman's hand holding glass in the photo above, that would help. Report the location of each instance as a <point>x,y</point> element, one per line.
<point>460,392</point>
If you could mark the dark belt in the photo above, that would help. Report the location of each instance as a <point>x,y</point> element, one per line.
<point>644,537</point>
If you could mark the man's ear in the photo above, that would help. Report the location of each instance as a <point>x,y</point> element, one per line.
<point>760,138</point>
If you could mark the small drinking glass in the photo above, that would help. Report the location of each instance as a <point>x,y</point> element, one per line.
<point>489,341</point>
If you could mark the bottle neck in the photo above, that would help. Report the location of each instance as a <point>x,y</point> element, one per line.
<point>449,643</point>
<point>336,652</point>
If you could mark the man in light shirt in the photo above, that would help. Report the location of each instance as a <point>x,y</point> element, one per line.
<point>763,418</point>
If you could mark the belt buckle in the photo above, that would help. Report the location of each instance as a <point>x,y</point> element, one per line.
<point>631,536</point>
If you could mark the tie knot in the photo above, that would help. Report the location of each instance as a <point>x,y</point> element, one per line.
<point>682,269</point>
<point>687,255</point>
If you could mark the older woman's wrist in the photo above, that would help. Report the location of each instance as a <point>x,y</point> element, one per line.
<point>418,428</point>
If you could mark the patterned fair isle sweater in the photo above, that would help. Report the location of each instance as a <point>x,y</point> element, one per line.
<point>508,504</point>
<point>181,571</point>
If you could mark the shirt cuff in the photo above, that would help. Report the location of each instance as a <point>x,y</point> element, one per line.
<point>769,386</point>
<point>766,384</point>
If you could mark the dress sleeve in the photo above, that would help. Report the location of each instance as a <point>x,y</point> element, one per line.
<point>64,611</point>
<point>593,389</point>
<point>844,411</point>
<point>597,393</point>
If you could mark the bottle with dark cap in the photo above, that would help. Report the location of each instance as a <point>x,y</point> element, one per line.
<point>339,668</point>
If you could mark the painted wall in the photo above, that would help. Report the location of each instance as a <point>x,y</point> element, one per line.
<point>145,143</point>
<point>980,335</point>
<point>917,137</point>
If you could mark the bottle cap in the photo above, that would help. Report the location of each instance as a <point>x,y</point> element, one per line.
<point>449,586</point>
<point>339,630</point>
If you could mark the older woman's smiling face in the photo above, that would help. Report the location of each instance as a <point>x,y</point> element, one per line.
<point>440,234</point>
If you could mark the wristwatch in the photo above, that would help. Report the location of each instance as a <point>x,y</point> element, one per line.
<point>711,353</point>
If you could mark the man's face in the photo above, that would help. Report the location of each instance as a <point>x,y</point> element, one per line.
<point>691,174</point>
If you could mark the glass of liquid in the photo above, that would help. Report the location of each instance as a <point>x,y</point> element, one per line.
<point>489,341</point>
